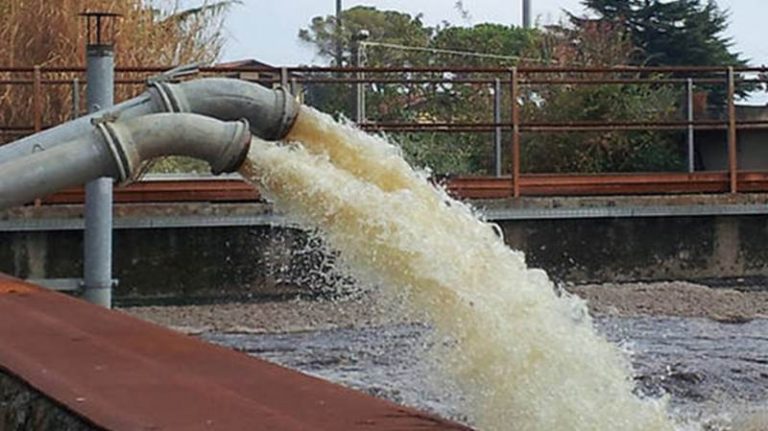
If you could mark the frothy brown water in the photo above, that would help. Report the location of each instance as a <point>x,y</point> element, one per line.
<point>524,357</point>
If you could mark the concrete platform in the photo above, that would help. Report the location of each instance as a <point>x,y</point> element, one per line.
<point>120,373</point>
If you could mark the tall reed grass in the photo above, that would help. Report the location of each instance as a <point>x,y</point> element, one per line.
<point>51,33</point>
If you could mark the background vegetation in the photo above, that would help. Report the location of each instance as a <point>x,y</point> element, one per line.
<point>618,32</point>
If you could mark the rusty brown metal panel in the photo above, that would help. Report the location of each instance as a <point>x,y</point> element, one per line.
<point>120,373</point>
<point>605,184</point>
<point>199,190</point>
<point>216,190</point>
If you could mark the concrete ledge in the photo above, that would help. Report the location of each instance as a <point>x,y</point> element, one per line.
<point>120,373</point>
<point>206,214</point>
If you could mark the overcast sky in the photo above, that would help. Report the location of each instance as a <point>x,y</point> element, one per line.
<point>267,29</point>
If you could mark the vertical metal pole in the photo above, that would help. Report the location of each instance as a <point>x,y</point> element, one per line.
<point>37,99</point>
<point>732,153</point>
<point>294,87</point>
<point>37,106</point>
<point>689,103</point>
<point>358,101</point>
<point>515,135</point>
<point>497,122</point>
<point>339,35</point>
<point>359,96</point>
<point>284,77</point>
<point>75,98</point>
<point>100,75</point>
<point>361,63</point>
<point>526,13</point>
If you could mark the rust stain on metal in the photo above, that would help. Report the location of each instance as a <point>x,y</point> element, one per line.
<point>9,286</point>
<point>121,373</point>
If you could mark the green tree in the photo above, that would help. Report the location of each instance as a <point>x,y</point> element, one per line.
<point>674,33</point>
<point>678,32</point>
<point>399,39</point>
<point>597,43</point>
<point>383,26</point>
<point>403,40</point>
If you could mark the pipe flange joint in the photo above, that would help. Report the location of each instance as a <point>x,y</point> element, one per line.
<point>115,147</point>
<point>170,99</point>
<point>233,155</point>
<point>116,142</point>
<point>288,113</point>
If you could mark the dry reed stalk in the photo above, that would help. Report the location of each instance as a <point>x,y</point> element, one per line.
<point>50,33</point>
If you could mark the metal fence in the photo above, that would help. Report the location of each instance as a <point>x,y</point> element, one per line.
<point>510,89</point>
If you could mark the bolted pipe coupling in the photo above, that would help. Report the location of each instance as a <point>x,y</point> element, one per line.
<point>224,145</point>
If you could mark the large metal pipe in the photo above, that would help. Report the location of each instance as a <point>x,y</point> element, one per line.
<point>117,149</point>
<point>271,113</point>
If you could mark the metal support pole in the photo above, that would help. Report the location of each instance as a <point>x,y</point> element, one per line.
<point>732,153</point>
<point>359,89</point>
<point>284,77</point>
<point>526,13</point>
<point>37,99</point>
<point>37,107</point>
<point>515,134</point>
<point>75,98</point>
<point>497,122</point>
<point>339,35</point>
<point>100,75</point>
<point>689,105</point>
<point>361,63</point>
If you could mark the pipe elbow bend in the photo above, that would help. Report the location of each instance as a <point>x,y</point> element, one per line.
<point>224,145</point>
<point>270,112</point>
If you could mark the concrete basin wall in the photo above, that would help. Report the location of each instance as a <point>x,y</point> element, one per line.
<point>236,263</point>
<point>179,265</point>
<point>644,249</point>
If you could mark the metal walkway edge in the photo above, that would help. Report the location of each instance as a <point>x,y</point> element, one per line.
<point>121,373</point>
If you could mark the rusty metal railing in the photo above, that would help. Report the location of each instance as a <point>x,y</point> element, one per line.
<point>131,80</point>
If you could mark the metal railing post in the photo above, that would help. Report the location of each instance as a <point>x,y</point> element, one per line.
<point>515,133</point>
<point>37,100</point>
<point>497,121</point>
<point>75,98</point>
<point>37,108</point>
<point>284,77</point>
<point>732,152</point>
<point>689,103</point>
<point>359,91</point>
